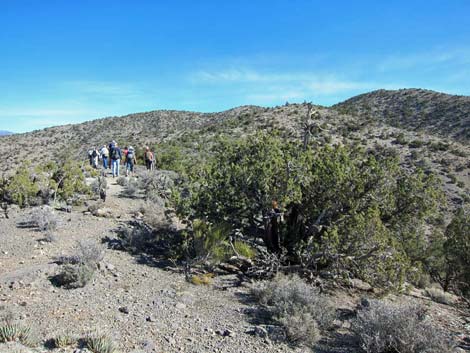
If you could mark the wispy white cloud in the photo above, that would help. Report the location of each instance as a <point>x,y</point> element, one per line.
<point>243,75</point>
<point>425,59</point>
<point>271,87</point>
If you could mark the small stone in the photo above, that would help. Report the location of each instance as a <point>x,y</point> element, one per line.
<point>361,285</point>
<point>170,340</point>
<point>150,319</point>
<point>225,333</point>
<point>180,306</point>
<point>124,310</point>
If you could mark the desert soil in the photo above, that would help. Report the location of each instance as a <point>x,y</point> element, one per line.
<point>143,307</point>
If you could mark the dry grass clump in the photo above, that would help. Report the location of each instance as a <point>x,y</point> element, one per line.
<point>296,306</point>
<point>64,340</point>
<point>385,327</point>
<point>11,332</point>
<point>439,296</point>
<point>202,279</point>
<point>244,249</point>
<point>100,343</point>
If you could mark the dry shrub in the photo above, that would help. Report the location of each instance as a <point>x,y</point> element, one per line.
<point>131,189</point>
<point>74,276</point>
<point>154,215</point>
<point>79,269</point>
<point>295,305</point>
<point>122,181</point>
<point>43,218</point>
<point>203,279</point>
<point>385,327</point>
<point>439,296</point>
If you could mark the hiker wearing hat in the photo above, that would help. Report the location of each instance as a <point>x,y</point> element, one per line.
<point>130,161</point>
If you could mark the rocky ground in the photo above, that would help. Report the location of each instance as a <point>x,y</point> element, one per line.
<point>142,306</point>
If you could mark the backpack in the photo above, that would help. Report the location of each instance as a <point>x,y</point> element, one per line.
<point>94,154</point>
<point>115,153</point>
<point>130,154</point>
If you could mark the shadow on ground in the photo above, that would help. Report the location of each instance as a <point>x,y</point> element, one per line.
<point>149,247</point>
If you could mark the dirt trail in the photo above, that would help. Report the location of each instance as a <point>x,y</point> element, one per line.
<point>144,308</point>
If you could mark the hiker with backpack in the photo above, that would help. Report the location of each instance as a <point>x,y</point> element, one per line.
<point>104,156</point>
<point>116,157</point>
<point>95,154</point>
<point>149,158</point>
<point>110,149</point>
<point>130,161</point>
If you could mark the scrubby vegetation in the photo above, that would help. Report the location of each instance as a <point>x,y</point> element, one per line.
<point>13,332</point>
<point>383,327</point>
<point>449,262</point>
<point>78,270</point>
<point>100,343</point>
<point>31,186</point>
<point>345,209</point>
<point>296,306</point>
<point>339,206</point>
<point>43,218</point>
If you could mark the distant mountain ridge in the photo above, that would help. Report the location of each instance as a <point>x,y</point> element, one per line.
<point>5,133</point>
<point>424,128</point>
<point>414,109</point>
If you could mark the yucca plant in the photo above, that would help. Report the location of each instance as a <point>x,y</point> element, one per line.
<point>64,340</point>
<point>17,333</point>
<point>100,343</point>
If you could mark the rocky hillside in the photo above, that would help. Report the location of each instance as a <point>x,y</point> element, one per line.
<point>414,109</point>
<point>437,141</point>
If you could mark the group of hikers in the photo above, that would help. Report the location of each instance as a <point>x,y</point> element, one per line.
<point>112,155</point>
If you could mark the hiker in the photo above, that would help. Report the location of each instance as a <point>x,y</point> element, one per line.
<point>90,156</point>
<point>104,156</point>
<point>130,160</point>
<point>124,152</point>
<point>95,155</point>
<point>115,156</point>
<point>149,158</point>
<point>110,149</point>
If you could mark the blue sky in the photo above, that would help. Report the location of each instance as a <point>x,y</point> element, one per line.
<point>69,61</point>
